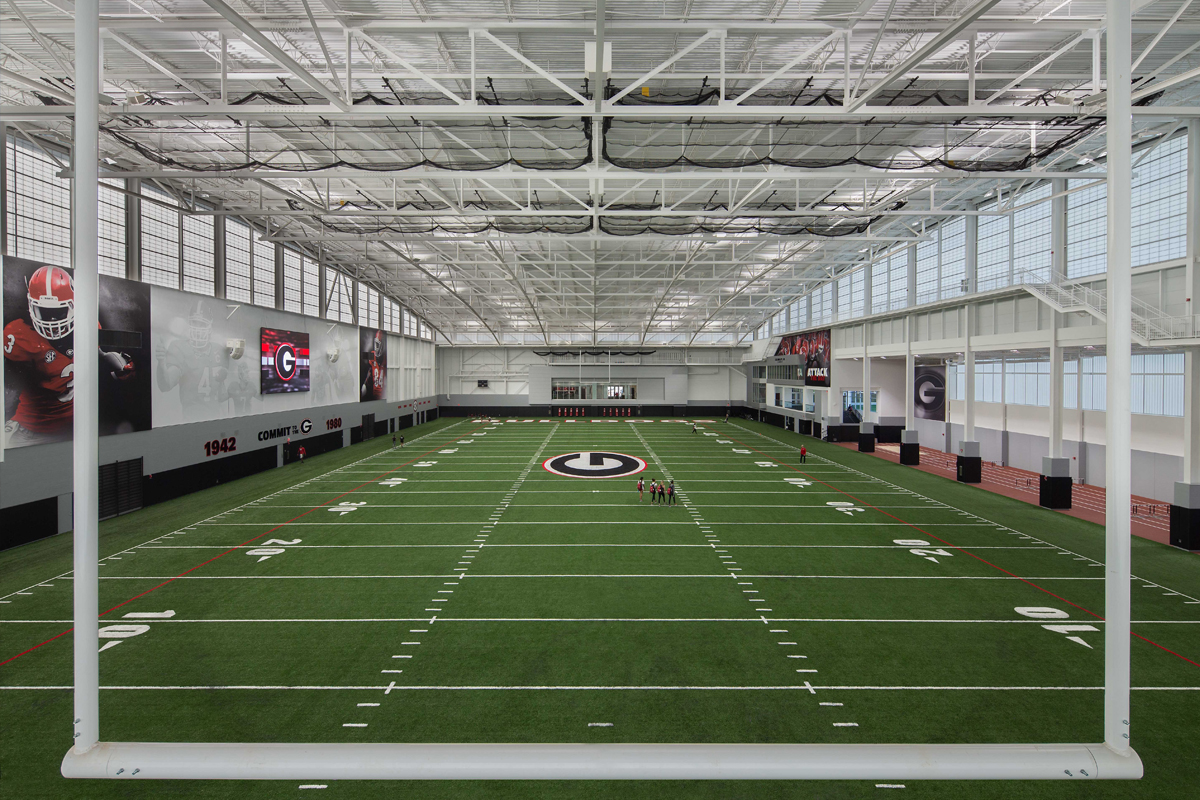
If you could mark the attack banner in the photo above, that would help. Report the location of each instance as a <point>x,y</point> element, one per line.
<point>929,388</point>
<point>813,349</point>
<point>372,360</point>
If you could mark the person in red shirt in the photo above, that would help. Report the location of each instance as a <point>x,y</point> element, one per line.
<point>300,452</point>
<point>803,454</point>
<point>641,485</point>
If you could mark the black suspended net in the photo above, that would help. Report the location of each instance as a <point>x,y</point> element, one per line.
<point>800,224</point>
<point>401,142</point>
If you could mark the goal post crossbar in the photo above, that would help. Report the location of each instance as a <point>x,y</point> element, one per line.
<point>233,761</point>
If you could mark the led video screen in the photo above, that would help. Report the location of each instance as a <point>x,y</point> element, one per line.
<point>285,362</point>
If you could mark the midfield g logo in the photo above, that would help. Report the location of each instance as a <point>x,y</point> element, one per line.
<point>594,465</point>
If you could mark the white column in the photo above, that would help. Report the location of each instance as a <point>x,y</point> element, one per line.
<point>1191,416</point>
<point>1118,426</point>
<point>969,387</point>
<point>1192,264</point>
<point>868,296</point>
<point>84,448</point>
<point>972,254</point>
<point>866,382</point>
<point>1191,400</point>
<point>1058,231</point>
<point>1056,390</point>
<point>912,275</point>
<point>910,373</point>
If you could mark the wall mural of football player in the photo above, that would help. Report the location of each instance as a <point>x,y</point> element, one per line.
<point>39,355</point>
<point>332,380</point>
<point>191,362</point>
<point>196,378</point>
<point>372,373</point>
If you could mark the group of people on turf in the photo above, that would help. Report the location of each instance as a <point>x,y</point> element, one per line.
<point>661,492</point>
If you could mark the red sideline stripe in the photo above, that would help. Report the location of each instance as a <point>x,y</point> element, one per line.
<point>237,547</point>
<point>956,547</point>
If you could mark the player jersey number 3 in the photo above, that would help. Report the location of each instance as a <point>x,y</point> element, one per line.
<point>68,370</point>
<point>69,394</point>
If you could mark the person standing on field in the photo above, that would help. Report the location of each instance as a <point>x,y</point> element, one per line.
<point>671,493</point>
<point>300,452</point>
<point>393,440</point>
<point>402,440</point>
<point>803,454</point>
<point>641,485</point>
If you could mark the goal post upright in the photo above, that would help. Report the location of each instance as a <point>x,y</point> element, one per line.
<point>92,758</point>
<point>85,416</point>
<point>1118,419</point>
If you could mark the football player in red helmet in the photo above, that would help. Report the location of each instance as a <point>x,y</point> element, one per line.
<point>43,353</point>
<point>199,370</point>
<point>373,386</point>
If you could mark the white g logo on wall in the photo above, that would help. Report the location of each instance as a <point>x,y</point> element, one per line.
<point>594,465</point>
<point>285,362</point>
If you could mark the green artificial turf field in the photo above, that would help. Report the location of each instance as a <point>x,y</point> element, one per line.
<point>457,591</point>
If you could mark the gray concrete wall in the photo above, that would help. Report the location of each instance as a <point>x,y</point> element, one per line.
<point>656,385</point>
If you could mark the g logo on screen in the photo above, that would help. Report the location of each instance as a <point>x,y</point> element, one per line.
<point>594,464</point>
<point>285,362</point>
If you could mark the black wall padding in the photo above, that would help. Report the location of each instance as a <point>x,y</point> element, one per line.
<point>29,522</point>
<point>177,482</point>
<point>313,446</point>
<point>120,485</point>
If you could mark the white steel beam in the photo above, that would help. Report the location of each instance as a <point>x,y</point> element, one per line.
<point>804,56</point>
<point>255,36</point>
<point>664,65</point>
<point>154,62</point>
<point>408,65</point>
<point>1036,67</point>
<point>520,57</point>
<point>940,40</point>
<point>764,113</point>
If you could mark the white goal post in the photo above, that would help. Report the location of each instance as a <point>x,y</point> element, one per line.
<point>91,758</point>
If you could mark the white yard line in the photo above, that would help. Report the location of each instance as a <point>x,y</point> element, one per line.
<point>481,535</point>
<point>579,544</point>
<point>130,550</point>
<point>439,688</point>
<point>1146,582</point>
<point>582,575</point>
